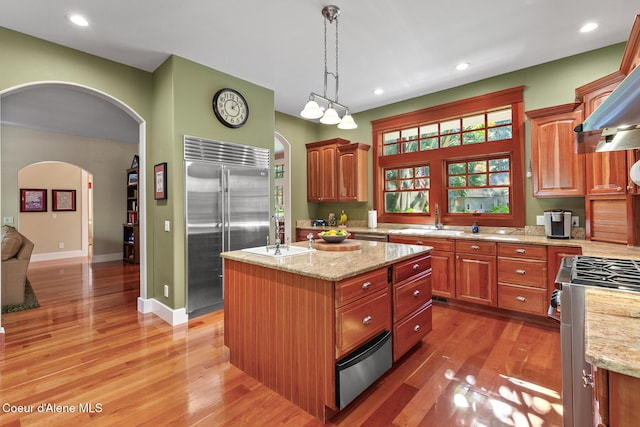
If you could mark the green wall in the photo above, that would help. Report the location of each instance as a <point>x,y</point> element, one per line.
<point>546,85</point>
<point>182,106</point>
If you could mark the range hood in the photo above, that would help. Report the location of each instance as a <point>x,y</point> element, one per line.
<point>615,124</point>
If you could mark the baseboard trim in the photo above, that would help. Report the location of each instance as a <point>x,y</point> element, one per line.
<point>57,255</point>
<point>172,316</point>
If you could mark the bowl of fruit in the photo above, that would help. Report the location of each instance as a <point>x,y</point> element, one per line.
<point>334,236</point>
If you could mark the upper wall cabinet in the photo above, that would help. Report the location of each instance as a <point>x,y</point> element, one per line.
<point>353,172</point>
<point>337,171</point>
<point>557,170</point>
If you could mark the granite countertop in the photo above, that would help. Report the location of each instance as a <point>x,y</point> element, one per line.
<point>612,330</point>
<point>528,235</point>
<point>330,265</point>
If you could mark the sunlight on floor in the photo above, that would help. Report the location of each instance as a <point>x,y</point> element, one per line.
<point>517,403</point>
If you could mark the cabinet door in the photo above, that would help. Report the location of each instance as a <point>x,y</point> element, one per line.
<point>476,279</point>
<point>313,174</point>
<point>321,173</point>
<point>443,274</point>
<point>554,259</point>
<point>607,172</point>
<point>353,182</point>
<point>557,168</point>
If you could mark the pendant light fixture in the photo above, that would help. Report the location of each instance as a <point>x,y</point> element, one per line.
<point>328,114</point>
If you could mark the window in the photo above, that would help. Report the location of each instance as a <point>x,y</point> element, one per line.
<point>473,129</point>
<point>406,189</point>
<point>467,156</point>
<point>479,186</point>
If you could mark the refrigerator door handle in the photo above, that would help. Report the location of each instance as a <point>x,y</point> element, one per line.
<point>227,210</point>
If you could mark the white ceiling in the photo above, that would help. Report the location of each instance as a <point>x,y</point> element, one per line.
<point>407,47</point>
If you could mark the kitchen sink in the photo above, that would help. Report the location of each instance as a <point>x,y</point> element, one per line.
<point>284,251</point>
<point>427,231</point>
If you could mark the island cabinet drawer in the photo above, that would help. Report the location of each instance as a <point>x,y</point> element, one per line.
<point>409,332</point>
<point>522,251</point>
<point>476,247</point>
<point>523,272</point>
<point>361,320</point>
<point>523,299</point>
<point>410,295</point>
<point>360,286</point>
<point>405,269</point>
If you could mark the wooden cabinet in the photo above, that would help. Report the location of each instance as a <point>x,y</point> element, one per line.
<point>557,169</point>
<point>412,316</point>
<point>616,399</point>
<point>443,262</point>
<point>337,170</point>
<point>353,180</point>
<point>131,230</point>
<point>476,278</point>
<point>554,259</point>
<point>522,278</point>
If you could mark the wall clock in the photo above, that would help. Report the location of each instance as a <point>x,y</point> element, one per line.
<point>230,108</point>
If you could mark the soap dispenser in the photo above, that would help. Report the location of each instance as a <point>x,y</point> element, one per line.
<point>474,227</point>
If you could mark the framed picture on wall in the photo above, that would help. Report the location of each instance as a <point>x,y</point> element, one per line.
<point>160,181</point>
<point>63,200</point>
<point>33,200</point>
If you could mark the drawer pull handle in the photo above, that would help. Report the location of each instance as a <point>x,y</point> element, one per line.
<point>416,266</point>
<point>521,299</point>
<point>475,247</point>
<point>416,328</point>
<point>520,271</point>
<point>366,285</point>
<point>419,242</point>
<point>416,293</point>
<point>367,320</point>
<point>521,251</point>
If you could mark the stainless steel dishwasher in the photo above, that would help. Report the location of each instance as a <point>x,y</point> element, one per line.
<point>375,237</point>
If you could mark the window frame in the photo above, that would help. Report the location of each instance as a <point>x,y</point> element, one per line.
<point>437,159</point>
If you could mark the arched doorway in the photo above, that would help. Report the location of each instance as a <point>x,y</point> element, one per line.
<point>282,182</point>
<point>87,97</point>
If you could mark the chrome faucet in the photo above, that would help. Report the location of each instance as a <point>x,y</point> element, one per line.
<point>439,225</point>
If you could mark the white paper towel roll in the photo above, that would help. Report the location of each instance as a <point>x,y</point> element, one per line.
<point>372,219</point>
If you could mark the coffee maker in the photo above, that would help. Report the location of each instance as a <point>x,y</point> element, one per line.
<point>557,224</point>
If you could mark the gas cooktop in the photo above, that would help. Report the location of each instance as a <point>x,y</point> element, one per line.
<point>623,274</point>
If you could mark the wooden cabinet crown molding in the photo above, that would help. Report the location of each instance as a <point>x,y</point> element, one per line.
<point>332,141</point>
<point>596,85</point>
<point>631,56</point>
<point>550,111</point>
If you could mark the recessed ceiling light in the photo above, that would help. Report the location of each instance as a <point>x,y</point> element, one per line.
<point>79,20</point>
<point>378,91</point>
<point>462,66</point>
<point>589,26</point>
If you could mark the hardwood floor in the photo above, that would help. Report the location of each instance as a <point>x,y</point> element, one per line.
<point>87,349</point>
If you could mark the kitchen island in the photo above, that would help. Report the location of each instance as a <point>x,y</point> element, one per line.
<point>290,319</point>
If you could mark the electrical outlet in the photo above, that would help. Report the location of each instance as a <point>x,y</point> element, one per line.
<point>167,226</point>
<point>166,291</point>
<point>7,220</point>
<point>575,221</point>
<point>539,219</point>
<point>61,245</point>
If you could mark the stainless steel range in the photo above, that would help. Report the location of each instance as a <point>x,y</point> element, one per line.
<point>574,275</point>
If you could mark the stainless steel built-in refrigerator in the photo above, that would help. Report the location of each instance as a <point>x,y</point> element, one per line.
<point>227,208</point>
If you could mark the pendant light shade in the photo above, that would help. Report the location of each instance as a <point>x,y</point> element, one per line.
<point>330,117</point>
<point>347,122</point>
<point>312,110</point>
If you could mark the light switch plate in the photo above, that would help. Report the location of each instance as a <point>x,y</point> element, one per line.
<point>539,219</point>
<point>7,220</point>
<point>167,226</point>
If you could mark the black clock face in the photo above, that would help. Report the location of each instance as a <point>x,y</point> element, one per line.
<point>230,108</point>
